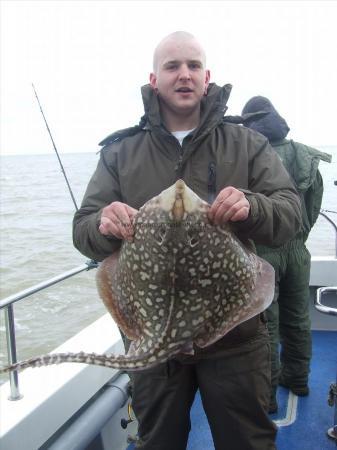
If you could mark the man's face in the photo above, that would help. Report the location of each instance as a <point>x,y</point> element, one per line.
<point>180,77</point>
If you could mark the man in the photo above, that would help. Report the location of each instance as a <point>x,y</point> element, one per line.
<point>288,316</point>
<point>183,135</point>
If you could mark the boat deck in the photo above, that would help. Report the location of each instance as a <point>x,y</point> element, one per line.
<point>302,421</point>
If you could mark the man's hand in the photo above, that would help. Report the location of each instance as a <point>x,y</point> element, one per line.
<point>230,205</point>
<point>117,220</point>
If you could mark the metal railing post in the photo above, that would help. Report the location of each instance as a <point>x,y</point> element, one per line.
<point>334,227</point>
<point>11,349</point>
<point>7,305</point>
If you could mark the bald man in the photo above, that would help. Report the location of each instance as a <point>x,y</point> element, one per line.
<point>184,135</point>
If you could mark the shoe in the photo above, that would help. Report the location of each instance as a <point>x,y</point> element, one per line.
<point>299,390</point>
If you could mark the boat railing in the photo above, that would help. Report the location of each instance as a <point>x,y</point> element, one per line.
<point>318,301</point>
<point>334,225</point>
<point>7,304</point>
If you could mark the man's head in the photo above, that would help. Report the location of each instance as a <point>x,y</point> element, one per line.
<point>179,75</point>
<point>272,125</point>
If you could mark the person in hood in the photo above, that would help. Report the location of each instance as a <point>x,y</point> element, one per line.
<point>288,315</point>
<point>183,135</point>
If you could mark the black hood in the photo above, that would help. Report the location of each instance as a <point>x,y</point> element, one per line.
<point>271,125</point>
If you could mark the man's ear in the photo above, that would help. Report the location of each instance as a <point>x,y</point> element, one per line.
<point>207,80</point>
<point>153,81</point>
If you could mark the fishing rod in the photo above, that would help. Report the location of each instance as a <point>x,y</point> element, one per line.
<point>91,264</point>
<point>57,154</point>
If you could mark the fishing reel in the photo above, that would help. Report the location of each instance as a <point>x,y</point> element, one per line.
<point>125,422</point>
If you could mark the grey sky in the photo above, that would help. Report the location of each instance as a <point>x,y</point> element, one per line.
<point>88,60</point>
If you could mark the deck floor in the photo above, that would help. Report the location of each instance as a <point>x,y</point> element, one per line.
<point>302,422</point>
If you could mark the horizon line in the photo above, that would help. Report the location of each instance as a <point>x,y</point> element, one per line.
<point>98,150</point>
<point>49,153</point>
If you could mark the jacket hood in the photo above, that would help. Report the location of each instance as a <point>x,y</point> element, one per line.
<point>213,106</point>
<point>271,125</point>
<point>215,101</point>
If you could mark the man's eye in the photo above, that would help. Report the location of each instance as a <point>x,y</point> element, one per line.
<point>172,67</point>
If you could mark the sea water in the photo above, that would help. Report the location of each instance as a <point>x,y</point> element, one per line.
<point>36,244</point>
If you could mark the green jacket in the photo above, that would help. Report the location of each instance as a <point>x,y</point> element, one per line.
<point>138,163</point>
<point>301,162</point>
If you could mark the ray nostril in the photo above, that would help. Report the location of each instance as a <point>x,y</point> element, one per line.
<point>193,242</point>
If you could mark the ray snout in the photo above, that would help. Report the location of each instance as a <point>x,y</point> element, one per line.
<point>178,208</point>
<point>179,200</point>
<point>186,201</point>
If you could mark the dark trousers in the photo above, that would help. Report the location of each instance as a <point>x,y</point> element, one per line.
<point>289,314</point>
<point>234,384</point>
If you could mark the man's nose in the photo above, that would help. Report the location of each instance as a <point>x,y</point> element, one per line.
<point>184,73</point>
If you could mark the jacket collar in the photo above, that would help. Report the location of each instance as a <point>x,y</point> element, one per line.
<point>213,107</point>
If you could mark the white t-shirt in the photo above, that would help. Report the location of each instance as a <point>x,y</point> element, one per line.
<point>181,134</point>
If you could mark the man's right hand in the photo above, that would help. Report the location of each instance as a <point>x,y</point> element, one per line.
<point>117,220</point>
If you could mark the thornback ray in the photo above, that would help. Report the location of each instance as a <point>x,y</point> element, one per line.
<point>182,283</point>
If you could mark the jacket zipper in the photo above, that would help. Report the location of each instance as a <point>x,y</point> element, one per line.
<point>211,183</point>
<point>178,167</point>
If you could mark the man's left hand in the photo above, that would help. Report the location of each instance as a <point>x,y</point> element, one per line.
<point>230,205</point>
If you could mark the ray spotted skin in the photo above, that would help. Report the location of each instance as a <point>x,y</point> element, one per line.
<point>181,282</point>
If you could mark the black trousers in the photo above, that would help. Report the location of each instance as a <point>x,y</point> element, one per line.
<point>234,384</point>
